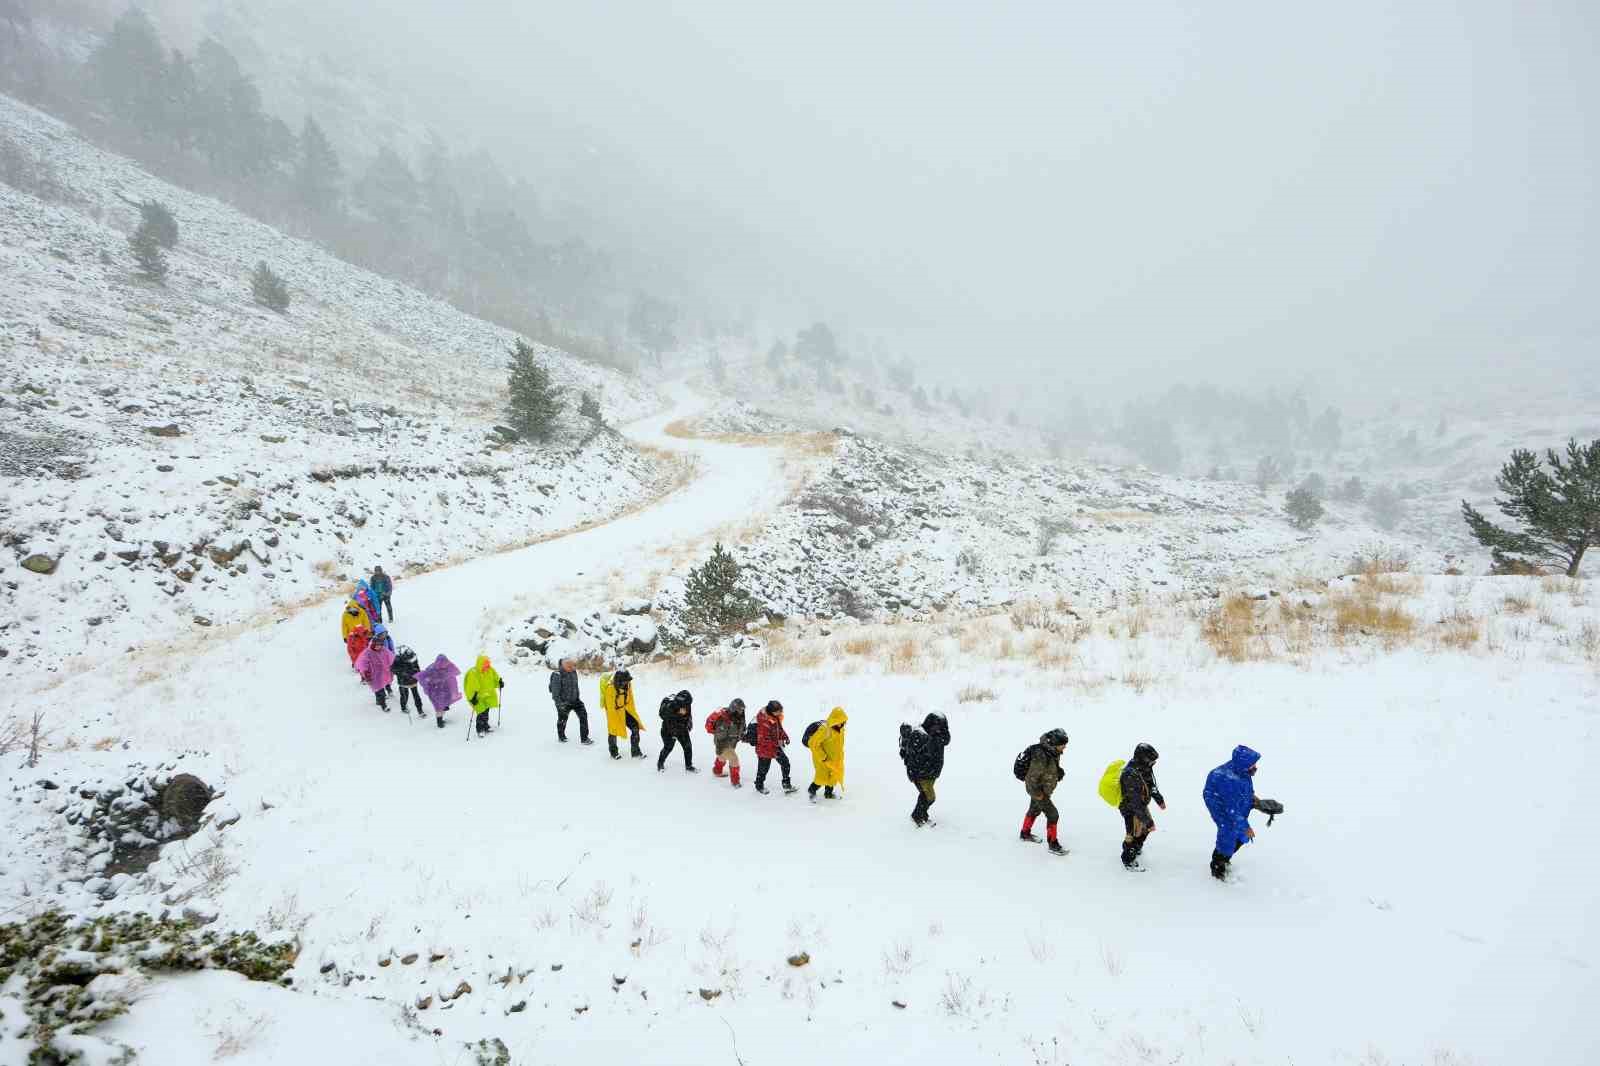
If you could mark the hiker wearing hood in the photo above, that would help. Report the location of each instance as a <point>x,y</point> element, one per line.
<point>1230,796</point>
<point>382,586</point>
<point>622,716</point>
<point>1039,768</point>
<point>375,665</point>
<point>826,742</point>
<point>726,727</point>
<point>440,682</point>
<point>482,687</point>
<point>353,616</point>
<point>356,641</point>
<point>770,739</point>
<point>677,719</point>
<point>922,750</point>
<point>406,669</point>
<point>1138,783</point>
<point>363,596</point>
<point>564,694</point>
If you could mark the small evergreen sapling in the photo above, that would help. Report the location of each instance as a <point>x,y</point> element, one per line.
<point>1303,507</point>
<point>713,600</point>
<point>533,401</point>
<point>146,248</point>
<point>162,225</point>
<point>268,288</point>
<point>589,408</point>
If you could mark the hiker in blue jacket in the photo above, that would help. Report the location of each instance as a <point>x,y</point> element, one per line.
<point>382,586</point>
<point>1230,796</point>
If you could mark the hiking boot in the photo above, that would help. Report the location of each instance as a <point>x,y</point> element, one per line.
<point>918,822</point>
<point>1029,837</point>
<point>439,722</point>
<point>616,755</point>
<point>586,740</point>
<point>1056,848</point>
<point>1135,866</point>
<point>762,789</point>
<point>789,788</point>
<point>561,738</point>
<point>827,793</point>
<point>661,768</point>
<point>691,769</point>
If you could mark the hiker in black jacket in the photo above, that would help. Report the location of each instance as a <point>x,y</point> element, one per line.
<point>1138,782</point>
<point>406,668</point>
<point>922,750</point>
<point>677,718</point>
<point>564,692</point>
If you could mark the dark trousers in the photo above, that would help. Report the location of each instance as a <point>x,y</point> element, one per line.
<point>583,720</point>
<point>409,694</point>
<point>1135,829</point>
<point>925,798</point>
<point>481,724</point>
<point>1043,805</point>
<point>384,602</point>
<point>667,741</point>
<point>633,737</point>
<point>763,765</point>
<point>382,696</point>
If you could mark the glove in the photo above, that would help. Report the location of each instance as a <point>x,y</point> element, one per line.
<point>502,682</point>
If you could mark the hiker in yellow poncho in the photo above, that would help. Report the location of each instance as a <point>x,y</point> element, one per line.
<point>481,685</point>
<point>827,754</point>
<point>353,616</point>
<point>622,716</point>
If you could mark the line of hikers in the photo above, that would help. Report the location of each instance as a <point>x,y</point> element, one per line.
<point>1130,786</point>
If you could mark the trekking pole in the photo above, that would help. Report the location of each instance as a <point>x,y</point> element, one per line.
<point>499,713</point>
<point>470,717</point>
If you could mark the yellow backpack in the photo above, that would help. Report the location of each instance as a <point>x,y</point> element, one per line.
<point>1111,783</point>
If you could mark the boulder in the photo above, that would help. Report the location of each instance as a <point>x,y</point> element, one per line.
<point>634,606</point>
<point>170,429</point>
<point>40,564</point>
<point>184,799</point>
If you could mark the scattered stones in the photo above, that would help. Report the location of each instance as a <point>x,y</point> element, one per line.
<point>709,994</point>
<point>40,564</point>
<point>408,959</point>
<point>170,429</point>
<point>802,959</point>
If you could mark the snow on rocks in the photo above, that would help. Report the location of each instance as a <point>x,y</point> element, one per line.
<point>598,639</point>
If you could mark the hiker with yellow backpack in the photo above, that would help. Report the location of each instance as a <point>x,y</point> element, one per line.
<point>1129,786</point>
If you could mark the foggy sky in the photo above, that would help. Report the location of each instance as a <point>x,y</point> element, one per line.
<point>1123,193</point>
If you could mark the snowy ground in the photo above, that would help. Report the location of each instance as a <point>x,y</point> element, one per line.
<point>1418,903</point>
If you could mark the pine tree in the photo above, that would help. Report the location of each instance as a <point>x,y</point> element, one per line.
<point>1303,507</point>
<point>146,247</point>
<point>589,408</point>
<point>533,401</point>
<point>1557,510</point>
<point>268,288</point>
<point>129,69</point>
<point>162,225</point>
<point>317,173</point>
<point>713,600</point>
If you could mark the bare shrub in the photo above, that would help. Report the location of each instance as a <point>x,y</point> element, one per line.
<point>1040,947</point>
<point>1459,630</point>
<point>1230,630</point>
<point>1380,558</point>
<point>239,1033</point>
<point>1517,603</point>
<point>971,693</point>
<point>210,868</point>
<point>591,910</point>
<point>1049,531</point>
<point>898,959</point>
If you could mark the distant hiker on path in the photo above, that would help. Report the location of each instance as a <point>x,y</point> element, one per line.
<point>922,750</point>
<point>1039,769</point>
<point>375,667</point>
<point>726,727</point>
<point>826,743</point>
<point>1230,796</point>
<point>564,694</point>
<point>677,719</point>
<point>482,687</point>
<point>622,716</point>
<point>440,682</point>
<point>382,589</point>
<point>770,739</point>
<point>406,669</point>
<point>1139,788</point>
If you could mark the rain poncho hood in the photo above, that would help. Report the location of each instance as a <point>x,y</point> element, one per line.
<point>440,681</point>
<point>1230,794</point>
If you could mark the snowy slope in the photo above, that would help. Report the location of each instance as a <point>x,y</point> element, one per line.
<point>185,458</point>
<point>1417,903</point>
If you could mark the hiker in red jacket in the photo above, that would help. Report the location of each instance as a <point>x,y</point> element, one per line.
<point>770,739</point>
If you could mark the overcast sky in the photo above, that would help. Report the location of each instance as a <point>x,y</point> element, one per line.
<point>1185,190</point>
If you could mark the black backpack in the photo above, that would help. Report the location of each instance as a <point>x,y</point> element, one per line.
<point>805,738</point>
<point>750,733</point>
<point>1020,766</point>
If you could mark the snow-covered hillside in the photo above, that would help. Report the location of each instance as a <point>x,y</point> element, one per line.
<point>175,456</point>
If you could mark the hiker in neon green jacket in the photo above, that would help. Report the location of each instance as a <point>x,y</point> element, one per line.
<point>482,686</point>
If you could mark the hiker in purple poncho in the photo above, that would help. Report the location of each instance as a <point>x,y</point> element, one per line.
<point>376,667</point>
<point>442,682</point>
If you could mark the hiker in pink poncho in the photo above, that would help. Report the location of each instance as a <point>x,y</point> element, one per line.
<point>376,667</point>
<point>441,680</point>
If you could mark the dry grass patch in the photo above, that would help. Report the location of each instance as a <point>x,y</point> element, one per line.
<point>1516,603</point>
<point>1459,630</point>
<point>1230,629</point>
<point>1372,609</point>
<point>972,693</point>
<point>905,657</point>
